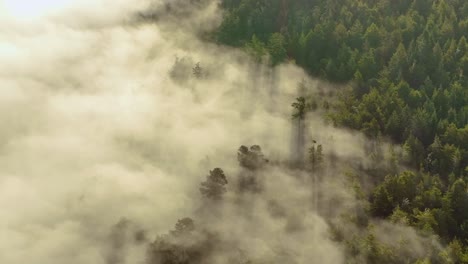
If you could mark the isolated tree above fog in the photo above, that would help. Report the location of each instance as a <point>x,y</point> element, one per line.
<point>252,158</point>
<point>316,157</point>
<point>183,226</point>
<point>173,248</point>
<point>215,185</point>
<point>180,71</point>
<point>299,108</point>
<point>197,71</point>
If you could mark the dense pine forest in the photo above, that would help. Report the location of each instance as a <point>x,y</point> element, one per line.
<point>403,65</point>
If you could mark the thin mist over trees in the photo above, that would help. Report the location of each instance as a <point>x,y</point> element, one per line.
<point>180,132</point>
<point>201,241</point>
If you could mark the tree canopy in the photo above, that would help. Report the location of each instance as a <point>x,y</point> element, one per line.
<point>404,66</point>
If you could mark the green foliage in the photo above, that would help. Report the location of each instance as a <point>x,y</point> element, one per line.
<point>316,158</point>
<point>299,108</point>
<point>256,48</point>
<point>407,60</point>
<point>396,191</point>
<point>406,63</point>
<point>275,47</point>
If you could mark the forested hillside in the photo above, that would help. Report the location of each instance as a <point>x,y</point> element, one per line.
<point>234,132</point>
<point>404,64</point>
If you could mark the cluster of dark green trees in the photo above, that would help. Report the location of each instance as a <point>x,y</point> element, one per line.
<point>193,242</point>
<point>405,64</point>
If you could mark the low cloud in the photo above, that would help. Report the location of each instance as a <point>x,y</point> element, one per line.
<point>102,149</point>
